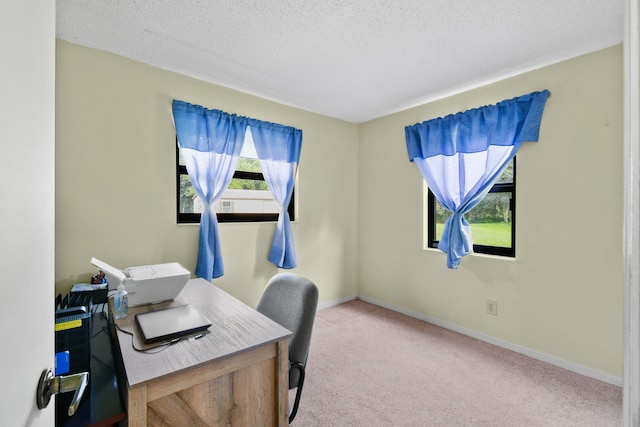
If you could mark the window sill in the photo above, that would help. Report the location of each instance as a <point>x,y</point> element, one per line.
<point>475,254</point>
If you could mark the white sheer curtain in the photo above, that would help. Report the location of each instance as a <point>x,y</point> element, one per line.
<point>462,155</point>
<point>211,141</point>
<point>278,148</point>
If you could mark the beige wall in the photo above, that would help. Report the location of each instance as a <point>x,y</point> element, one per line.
<point>115,179</point>
<point>562,294</point>
<point>359,228</point>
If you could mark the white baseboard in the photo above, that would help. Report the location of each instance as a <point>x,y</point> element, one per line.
<point>333,303</point>
<point>565,364</point>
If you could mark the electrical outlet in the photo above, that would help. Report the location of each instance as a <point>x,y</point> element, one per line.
<point>492,307</point>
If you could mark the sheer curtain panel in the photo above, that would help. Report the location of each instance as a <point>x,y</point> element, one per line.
<point>210,141</point>
<point>278,148</point>
<point>462,155</point>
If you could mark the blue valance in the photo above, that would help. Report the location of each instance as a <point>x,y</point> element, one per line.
<point>509,122</point>
<point>205,130</point>
<point>275,141</point>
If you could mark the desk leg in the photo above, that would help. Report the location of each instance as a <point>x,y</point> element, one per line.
<point>137,406</point>
<point>282,382</point>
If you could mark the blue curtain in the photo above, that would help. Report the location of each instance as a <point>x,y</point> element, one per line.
<point>461,156</point>
<point>211,141</point>
<point>278,149</point>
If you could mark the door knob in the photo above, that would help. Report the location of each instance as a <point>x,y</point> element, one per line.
<point>50,385</point>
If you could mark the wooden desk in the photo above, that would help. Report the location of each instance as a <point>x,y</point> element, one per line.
<point>237,375</point>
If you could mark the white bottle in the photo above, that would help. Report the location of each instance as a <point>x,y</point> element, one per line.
<point>121,302</point>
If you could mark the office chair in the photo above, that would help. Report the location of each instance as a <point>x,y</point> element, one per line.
<point>291,300</point>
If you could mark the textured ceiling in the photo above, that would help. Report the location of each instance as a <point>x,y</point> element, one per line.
<point>350,59</point>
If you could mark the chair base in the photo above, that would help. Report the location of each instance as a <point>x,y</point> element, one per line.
<point>294,410</point>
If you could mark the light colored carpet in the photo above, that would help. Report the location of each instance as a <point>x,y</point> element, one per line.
<point>369,366</point>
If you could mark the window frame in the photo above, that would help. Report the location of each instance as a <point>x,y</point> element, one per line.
<point>481,249</point>
<point>194,218</point>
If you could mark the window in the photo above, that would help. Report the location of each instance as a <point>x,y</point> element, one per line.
<point>247,199</point>
<point>492,220</point>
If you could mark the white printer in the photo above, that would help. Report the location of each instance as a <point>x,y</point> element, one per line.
<point>146,284</point>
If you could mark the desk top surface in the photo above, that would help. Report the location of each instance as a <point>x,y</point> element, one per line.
<point>235,328</point>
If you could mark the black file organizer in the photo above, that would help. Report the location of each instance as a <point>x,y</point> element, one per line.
<point>73,334</point>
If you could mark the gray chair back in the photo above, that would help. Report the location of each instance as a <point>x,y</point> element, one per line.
<point>291,301</point>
